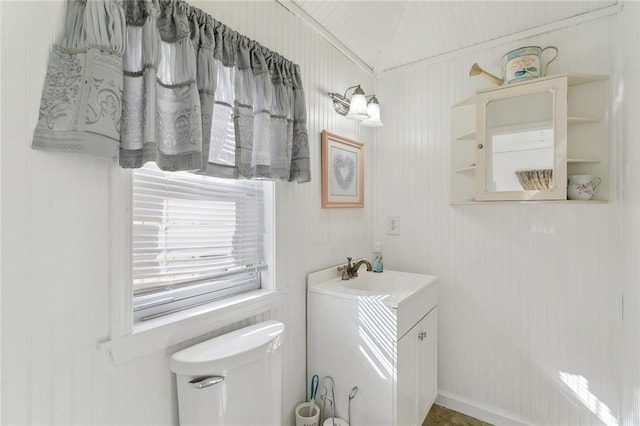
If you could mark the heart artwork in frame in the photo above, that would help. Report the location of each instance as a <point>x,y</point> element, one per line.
<point>342,172</point>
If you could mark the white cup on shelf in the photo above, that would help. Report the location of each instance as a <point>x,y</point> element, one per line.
<point>582,187</point>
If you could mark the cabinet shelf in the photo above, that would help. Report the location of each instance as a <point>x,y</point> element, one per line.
<point>572,80</point>
<point>577,79</point>
<point>467,136</point>
<point>469,170</point>
<point>494,203</point>
<point>469,100</point>
<point>582,161</point>
<point>571,120</point>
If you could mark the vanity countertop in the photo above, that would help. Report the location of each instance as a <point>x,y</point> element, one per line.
<point>392,288</point>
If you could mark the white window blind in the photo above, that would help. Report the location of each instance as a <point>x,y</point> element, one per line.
<point>195,239</point>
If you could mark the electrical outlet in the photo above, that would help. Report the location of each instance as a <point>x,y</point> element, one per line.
<point>393,225</point>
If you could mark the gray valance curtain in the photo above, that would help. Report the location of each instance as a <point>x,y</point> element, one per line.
<point>162,81</point>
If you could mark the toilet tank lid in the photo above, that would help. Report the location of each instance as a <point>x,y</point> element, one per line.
<point>247,342</point>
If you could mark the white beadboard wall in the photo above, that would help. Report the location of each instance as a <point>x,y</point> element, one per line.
<point>530,296</point>
<point>527,292</point>
<point>55,234</point>
<point>627,131</point>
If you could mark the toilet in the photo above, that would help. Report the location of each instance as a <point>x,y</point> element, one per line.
<point>233,379</point>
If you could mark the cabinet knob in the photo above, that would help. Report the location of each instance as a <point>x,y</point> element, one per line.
<point>480,146</point>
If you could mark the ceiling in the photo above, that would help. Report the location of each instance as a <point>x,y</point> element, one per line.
<point>386,35</point>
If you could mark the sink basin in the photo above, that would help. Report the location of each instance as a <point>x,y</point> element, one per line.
<point>393,288</point>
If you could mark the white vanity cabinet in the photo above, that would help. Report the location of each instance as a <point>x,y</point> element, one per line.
<point>377,332</point>
<point>557,124</point>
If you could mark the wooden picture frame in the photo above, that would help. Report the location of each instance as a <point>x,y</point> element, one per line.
<point>342,172</point>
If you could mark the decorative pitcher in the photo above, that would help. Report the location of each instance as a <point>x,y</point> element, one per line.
<point>582,187</point>
<point>525,63</point>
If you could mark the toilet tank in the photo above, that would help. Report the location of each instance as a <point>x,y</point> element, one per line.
<point>233,379</point>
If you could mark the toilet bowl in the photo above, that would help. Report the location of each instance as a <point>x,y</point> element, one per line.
<point>233,379</point>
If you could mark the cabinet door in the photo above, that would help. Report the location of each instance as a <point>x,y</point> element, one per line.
<point>522,141</point>
<point>427,363</point>
<point>417,379</point>
<point>406,392</point>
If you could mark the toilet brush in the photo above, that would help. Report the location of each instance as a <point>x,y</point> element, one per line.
<point>312,394</point>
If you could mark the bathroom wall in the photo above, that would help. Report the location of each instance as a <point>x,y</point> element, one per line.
<point>530,302</point>
<point>530,294</point>
<point>627,129</point>
<point>55,212</point>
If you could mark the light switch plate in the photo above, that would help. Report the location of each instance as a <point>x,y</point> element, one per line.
<point>393,225</point>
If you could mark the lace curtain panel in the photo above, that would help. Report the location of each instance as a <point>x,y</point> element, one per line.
<point>162,81</point>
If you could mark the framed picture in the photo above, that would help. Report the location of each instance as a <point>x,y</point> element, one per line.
<point>342,172</point>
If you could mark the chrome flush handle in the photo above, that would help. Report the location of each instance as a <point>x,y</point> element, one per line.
<point>206,381</point>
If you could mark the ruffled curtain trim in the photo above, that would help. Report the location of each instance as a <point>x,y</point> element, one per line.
<point>188,92</point>
<point>81,106</point>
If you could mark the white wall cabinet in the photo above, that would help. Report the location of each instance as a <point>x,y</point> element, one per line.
<point>557,123</point>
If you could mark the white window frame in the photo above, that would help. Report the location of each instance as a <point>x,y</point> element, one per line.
<point>127,340</point>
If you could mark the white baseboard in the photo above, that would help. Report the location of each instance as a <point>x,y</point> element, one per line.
<point>480,411</point>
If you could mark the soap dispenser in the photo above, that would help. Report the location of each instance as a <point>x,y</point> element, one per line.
<point>377,258</point>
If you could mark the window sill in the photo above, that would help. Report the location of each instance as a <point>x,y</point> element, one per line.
<point>161,333</point>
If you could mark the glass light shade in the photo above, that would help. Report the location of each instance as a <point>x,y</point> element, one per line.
<point>373,109</point>
<point>358,106</point>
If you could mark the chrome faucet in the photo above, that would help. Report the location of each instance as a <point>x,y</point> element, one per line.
<point>351,270</point>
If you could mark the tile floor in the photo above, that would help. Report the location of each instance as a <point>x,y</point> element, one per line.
<point>443,416</point>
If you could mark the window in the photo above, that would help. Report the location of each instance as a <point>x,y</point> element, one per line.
<point>196,239</point>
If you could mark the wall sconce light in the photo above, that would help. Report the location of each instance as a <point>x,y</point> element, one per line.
<point>361,107</point>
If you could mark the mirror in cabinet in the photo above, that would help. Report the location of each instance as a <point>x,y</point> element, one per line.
<point>521,143</point>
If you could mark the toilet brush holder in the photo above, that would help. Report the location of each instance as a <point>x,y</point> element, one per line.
<point>307,414</point>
